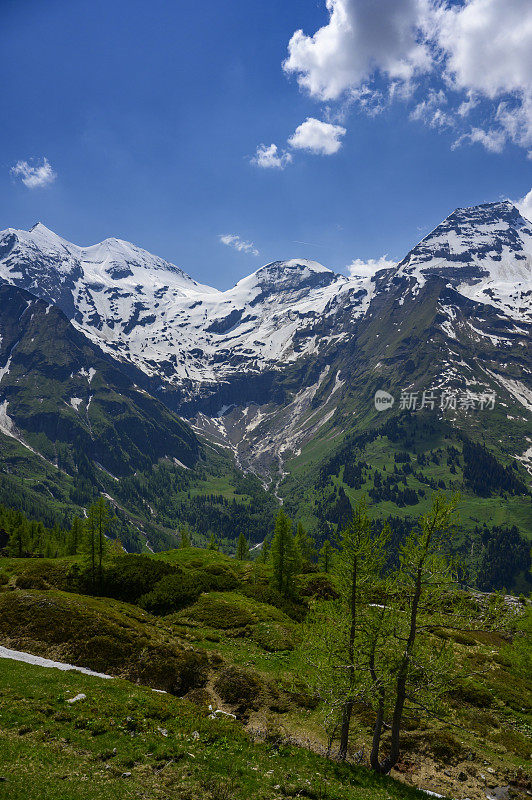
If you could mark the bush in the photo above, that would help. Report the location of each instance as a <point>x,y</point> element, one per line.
<point>176,671</point>
<point>267,594</point>
<point>129,577</point>
<point>98,635</point>
<point>215,578</point>
<point>221,611</point>
<point>42,573</point>
<point>320,587</point>
<point>473,694</point>
<point>238,688</point>
<point>26,581</point>
<point>4,579</point>
<point>273,637</point>
<point>171,593</point>
<point>445,747</point>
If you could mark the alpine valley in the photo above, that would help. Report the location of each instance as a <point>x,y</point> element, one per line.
<point>184,404</point>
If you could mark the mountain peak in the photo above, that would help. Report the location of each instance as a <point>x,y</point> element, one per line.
<point>292,275</point>
<point>41,228</point>
<point>484,251</point>
<point>292,266</point>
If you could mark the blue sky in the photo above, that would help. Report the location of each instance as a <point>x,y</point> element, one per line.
<point>149,116</point>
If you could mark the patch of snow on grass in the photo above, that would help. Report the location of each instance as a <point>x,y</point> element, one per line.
<point>29,658</point>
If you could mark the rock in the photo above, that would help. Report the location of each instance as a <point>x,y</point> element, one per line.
<point>77,698</point>
<point>126,775</point>
<point>499,793</point>
<point>195,736</point>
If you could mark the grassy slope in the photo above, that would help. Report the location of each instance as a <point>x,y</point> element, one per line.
<point>379,454</point>
<point>36,485</point>
<point>165,747</point>
<point>489,723</point>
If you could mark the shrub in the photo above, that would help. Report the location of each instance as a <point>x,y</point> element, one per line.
<point>445,747</point>
<point>215,578</point>
<point>129,577</point>
<point>238,688</point>
<point>26,581</point>
<point>461,638</point>
<point>221,611</point>
<point>473,694</point>
<point>98,636</point>
<point>267,594</point>
<point>171,593</point>
<point>4,579</point>
<point>273,637</point>
<point>514,742</point>
<point>320,587</point>
<point>176,671</point>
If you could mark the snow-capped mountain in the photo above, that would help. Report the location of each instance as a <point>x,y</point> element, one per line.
<point>295,349</point>
<point>142,309</point>
<point>484,252</point>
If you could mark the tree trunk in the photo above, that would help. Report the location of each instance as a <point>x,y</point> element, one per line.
<point>347,710</point>
<point>400,692</point>
<point>377,733</point>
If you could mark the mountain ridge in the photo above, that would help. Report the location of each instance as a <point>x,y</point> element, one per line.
<point>263,367</point>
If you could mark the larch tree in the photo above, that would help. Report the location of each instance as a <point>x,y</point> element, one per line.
<point>325,556</point>
<point>75,536</point>
<point>242,548</point>
<point>283,555</point>
<point>304,545</point>
<point>97,527</point>
<point>375,645</point>
<point>184,537</point>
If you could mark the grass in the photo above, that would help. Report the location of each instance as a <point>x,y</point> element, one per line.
<point>225,610</point>
<point>379,454</point>
<point>124,741</point>
<point>102,634</point>
<point>234,651</point>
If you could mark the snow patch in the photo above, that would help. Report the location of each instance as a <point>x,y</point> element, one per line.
<point>29,658</point>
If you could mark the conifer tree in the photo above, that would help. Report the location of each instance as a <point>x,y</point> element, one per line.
<point>374,644</point>
<point>213,544</point>
<point>283,555</point>
<point>97,526</point>
<point>304,545</point>
<point>18,540</point>
<point>264,553</point>
<point>242,548</point>
<point>184,537</point>
<point>325,556</point>
<point>89,543</point>
<point>75,536</point>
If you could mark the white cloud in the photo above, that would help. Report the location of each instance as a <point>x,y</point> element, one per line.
<point>467,105</point>
<point>429,111</point>
<point>234,240</point>
<point>525,205</point>
<point>361,37</point>
<point>34,175</point>
<point>269,157</point>
<point>317,136</point>
<point>359,268</point>
<point>371,54</point>
<point>488,47</point>
<point>493,140</point>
